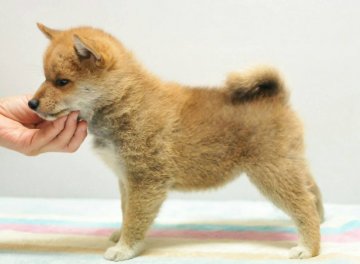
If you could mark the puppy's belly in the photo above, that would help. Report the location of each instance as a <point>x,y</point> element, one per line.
<point>212,179</point>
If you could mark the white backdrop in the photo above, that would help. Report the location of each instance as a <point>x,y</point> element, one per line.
<point>316,44</point>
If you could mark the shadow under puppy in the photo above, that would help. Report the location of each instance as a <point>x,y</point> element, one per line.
<point>159,136</point>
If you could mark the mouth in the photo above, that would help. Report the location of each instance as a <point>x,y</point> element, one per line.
<point>54,116</point>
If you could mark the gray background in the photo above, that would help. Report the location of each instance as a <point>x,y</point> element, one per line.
<point>316,44</point>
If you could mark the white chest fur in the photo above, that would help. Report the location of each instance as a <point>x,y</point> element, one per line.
<point>111,158</point>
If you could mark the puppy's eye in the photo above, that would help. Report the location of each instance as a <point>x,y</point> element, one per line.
<point>61,82</point>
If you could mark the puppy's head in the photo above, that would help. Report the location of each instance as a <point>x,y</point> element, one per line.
<point>75,65</point>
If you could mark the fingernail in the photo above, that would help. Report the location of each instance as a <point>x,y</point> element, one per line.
<point>85,125</point>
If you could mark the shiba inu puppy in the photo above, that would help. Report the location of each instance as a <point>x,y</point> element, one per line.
<point>159,136</point>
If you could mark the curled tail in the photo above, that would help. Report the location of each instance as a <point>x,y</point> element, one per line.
<point>260,83</point>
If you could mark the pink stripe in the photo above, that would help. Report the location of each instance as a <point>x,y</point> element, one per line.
<point>350,236</point>
<point>237,235</point>
<point>57,229</point>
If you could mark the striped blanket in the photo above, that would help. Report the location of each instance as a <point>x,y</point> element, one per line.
<point>76,231</point>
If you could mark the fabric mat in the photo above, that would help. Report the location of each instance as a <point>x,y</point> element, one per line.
<point>223,232</point>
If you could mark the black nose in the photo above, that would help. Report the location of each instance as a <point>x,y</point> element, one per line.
<point>33,104</point>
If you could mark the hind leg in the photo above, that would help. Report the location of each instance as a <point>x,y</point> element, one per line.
<point>284,183</point>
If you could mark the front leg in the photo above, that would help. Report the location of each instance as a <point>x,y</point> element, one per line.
<point>123,192</point>
<point>143,202</point>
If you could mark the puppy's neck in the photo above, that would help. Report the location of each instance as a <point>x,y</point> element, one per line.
<point>123,94</point>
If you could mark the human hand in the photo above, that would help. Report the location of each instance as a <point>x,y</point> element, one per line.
<point>24,131</point>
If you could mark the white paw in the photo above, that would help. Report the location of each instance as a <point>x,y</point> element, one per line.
<point>300,252</point>
<point>122,252</point>
<point>115,236</point>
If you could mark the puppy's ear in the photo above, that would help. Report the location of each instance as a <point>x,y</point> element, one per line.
<point>85,49</point>
<point>48,32</point>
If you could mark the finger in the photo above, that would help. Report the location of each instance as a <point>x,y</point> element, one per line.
<point>47,133</point>
<point>78,138</point>
<point>16,108</point>
<point>42,124</point>
<point>61,141</point>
